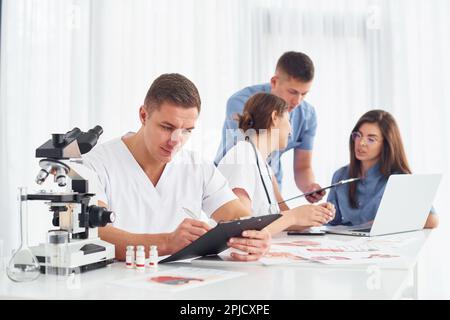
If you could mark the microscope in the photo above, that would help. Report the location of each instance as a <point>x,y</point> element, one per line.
<point>77,221</point>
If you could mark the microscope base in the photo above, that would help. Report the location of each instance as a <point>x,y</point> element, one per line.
<point>81,256</point>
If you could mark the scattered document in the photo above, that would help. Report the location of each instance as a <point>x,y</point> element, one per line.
<point>283,256</point>
<point>331,252</point>
<point>386,242</point>
<point>284,252</point>
<point>176,279</point>
<point>342,256</point>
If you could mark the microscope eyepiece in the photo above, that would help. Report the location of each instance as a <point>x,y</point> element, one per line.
<point>60,145</point>
<point>73,134</point>
<point>89,139</point>
<point>97,130</point>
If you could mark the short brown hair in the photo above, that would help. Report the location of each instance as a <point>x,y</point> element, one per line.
<point>296,65</point>
<point>174,88</point>
<point>258,111</point>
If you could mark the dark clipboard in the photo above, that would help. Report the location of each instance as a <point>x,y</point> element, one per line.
<point>215,240</point>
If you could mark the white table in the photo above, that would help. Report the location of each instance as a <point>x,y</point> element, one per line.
<point>311,281</point>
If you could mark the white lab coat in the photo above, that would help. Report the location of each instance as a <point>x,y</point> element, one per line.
<point>141,207</point>
<point>239,167</point>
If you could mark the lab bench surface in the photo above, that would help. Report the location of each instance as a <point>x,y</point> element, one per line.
<point>309,281</point>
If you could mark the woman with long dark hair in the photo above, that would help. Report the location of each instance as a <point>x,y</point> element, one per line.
<point>376,152</point>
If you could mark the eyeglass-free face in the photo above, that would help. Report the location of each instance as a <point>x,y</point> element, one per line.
<point>167,129</point>
<point>290,90</point>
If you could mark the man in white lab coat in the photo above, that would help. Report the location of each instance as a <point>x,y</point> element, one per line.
<point>147,179</point>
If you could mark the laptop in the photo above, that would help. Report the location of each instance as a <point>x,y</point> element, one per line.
<point>404,207</point>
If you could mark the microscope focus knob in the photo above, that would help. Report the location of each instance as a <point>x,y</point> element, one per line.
<point>100,217</point>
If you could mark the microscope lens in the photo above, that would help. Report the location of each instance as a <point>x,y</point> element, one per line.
<point>61,181</point>
<point>42,175</point>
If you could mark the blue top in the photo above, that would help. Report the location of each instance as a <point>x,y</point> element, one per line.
<point>303,121</point>
<point>369,193</point>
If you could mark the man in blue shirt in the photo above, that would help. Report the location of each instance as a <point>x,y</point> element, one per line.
<point>293,78</point>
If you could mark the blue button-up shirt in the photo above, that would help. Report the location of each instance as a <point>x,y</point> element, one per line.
<point>303,121</point>
<point>369,193</point>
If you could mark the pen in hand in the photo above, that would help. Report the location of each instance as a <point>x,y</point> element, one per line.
<point>194,216</point>
<point>190,213</point>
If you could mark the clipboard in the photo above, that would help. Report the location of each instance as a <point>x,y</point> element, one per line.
<point>322,189</point>
<point>215,240</point>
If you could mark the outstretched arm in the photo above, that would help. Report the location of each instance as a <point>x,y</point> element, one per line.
<point>304,175</point>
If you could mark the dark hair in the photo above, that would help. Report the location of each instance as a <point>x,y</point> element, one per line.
<point>258,111</point>
<point>393,157</point>
<point>297,65</point>
<point>174,88</point>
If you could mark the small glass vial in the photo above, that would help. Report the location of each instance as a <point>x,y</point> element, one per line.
<point>153,257</point>
<point>140,258</point>
<point>129,262</point>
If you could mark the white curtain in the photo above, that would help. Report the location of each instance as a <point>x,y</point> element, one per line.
<point>67,63</point>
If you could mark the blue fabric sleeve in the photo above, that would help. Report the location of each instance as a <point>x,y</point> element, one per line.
<point>308,134</point>
<point>235,106</point>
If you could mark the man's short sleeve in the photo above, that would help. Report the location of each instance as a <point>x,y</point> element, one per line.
<point>216,191</point>
<point>309,129</point>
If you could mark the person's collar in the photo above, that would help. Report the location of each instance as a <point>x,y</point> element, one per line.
<point>374,171</point>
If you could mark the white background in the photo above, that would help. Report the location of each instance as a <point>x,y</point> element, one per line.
<point>81,63</point>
